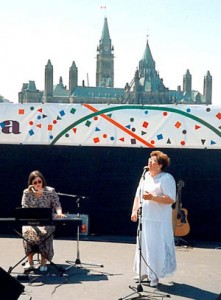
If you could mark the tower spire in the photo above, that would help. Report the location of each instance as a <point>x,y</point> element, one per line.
<point>207,88</point>
<point>149,77</point>
<point>105,59</point>
<point>48,93</point>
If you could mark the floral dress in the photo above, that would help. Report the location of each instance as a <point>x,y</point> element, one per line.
<point>40,236</point>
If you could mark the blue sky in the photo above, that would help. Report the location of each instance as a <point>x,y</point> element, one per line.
<point>182,35</point>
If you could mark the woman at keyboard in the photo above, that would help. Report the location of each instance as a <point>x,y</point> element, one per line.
<point>39,195</point>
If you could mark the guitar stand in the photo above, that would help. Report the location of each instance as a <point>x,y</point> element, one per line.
<point>78,262</point>
<point>35,249</point>
<point>177,241</point>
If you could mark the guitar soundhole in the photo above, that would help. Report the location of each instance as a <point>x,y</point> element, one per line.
<point>182,216</point>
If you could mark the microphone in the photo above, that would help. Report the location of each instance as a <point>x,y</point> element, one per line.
<point>32,188</point>
<point>145,169</point>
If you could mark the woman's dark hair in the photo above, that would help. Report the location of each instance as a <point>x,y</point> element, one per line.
<point>35,174</point>
<point>162,158</point>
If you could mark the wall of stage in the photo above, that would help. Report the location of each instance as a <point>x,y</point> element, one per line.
<point>109,177</point>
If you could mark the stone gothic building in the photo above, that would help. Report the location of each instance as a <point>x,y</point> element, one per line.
<point>146,87</point>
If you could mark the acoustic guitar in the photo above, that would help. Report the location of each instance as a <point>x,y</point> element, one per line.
<point>181,226</point>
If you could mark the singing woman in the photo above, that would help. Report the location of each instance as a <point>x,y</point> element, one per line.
<point>155,256</point>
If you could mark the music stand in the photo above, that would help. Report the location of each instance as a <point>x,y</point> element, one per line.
<point>34,217</point>
<point>77,261</point>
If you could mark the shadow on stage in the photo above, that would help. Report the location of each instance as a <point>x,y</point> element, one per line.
<point>72,275</point>
<point>186,291</point>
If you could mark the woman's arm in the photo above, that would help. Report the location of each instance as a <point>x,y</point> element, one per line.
<point>135,209</point>
<point>25,198</point>
<point>163,199</point>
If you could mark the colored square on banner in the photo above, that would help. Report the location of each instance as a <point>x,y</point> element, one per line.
<point>73,110</point>
<point>62,113</point>
<point>31,132</point>
<point>218,116</point>
<point>145,124</point>
<point>21,111</point>
<point>160,136</point>
<point>178,124</point>
<point>133,141</point>
<point>96,140</point>
<point>50,127</point>
<point>88,123</point>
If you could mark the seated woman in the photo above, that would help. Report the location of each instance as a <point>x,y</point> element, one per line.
<point>39,195</point>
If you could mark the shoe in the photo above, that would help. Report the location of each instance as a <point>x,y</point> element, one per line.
<point>141,278</point>
<point>43,268</point>
<point>28,266</point>
<point>154,282</point>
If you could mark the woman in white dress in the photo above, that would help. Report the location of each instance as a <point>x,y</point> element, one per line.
<point>155,256</point>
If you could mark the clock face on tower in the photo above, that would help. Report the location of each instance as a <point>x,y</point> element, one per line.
<point>106,48</point>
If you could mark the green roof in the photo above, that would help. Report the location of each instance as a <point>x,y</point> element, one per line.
<point>98,92</point>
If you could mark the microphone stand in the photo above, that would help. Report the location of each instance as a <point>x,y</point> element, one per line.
<point>77,262</point>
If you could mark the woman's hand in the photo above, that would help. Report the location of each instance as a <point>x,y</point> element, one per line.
<point>37,192</point>
<point>134,216</point>
<point>59,214</point>
<point>31,189</point>
<point>147,196</point>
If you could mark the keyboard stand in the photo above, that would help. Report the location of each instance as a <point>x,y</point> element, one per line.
<point>35,249</point>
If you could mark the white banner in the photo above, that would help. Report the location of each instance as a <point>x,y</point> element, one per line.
<point>152,126</point>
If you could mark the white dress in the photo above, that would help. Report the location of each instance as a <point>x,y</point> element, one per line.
<point>157,256</point>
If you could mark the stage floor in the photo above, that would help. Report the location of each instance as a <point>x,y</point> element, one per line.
<point>198,274</point>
